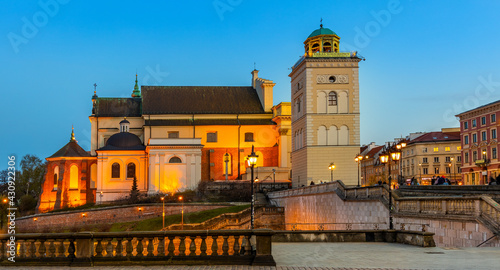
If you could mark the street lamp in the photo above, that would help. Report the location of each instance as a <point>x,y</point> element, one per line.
<point>399,147</point>
<point>182,212</point>
<point>252,161</point>
<point>358,159</point>
<point>420,172</point>
<point>331,168</point>
<point>226,160</point>
<point>485,167</point>
<point>396,156</point>
<point>163,210</point>
<point>385,159</point>
<point>274,178</point>
<point>451,164</point>
<point>364,178</point>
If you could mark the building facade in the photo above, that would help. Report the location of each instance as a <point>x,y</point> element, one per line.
<point>325,111</point>
<point>478,132</point>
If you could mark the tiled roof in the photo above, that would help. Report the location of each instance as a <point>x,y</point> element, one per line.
<point>118,107</point>
<point>437,136</point>
<point>200,99</point>
<point>489,104</point>
<point>374,151</point>
<point>71,149</point>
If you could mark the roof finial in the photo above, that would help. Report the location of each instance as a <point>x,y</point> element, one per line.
<point>321,23</point>
<point>72,134</point>
<point>136,92</point>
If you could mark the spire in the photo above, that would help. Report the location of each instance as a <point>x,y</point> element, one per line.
<point>321,23</point>
<point>72,134</point>
<point>136,92</point>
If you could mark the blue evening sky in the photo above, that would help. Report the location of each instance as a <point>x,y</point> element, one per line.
<point>425,60</point>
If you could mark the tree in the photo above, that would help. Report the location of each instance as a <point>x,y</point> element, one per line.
<point>134,192</point>
<point>31,177</point>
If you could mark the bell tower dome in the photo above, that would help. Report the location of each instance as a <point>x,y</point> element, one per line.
<point>321,40</point>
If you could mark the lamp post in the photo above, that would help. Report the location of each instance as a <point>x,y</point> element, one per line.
<point>252,161</point>
<point>364,178</point>
<point>100,197</point>
<point>385,158</point>
<point>182,212</point>
<point>163,210</point>
<point>274,178</point>
<point>399,147</point>
<point>226,160</point>
<point>451,164</point>
<point>358,159</point>
<point>331,168</point>
<point>396,156</point>
<point>420,172</point>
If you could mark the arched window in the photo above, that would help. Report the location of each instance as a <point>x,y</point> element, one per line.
<point>56,176</point>
<point>175,160</point>
<point>332,99</point>
<point>73,177</point>
<point>130,170</point>
<point>115,170</point>
<point>322,135</point>
<point>321,102</point>
<point>327,47</point>
<point>315,47</point>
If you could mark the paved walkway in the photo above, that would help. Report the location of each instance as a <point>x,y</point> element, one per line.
<point>316,256</point>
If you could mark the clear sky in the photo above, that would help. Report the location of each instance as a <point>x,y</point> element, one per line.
<point>425,60</point>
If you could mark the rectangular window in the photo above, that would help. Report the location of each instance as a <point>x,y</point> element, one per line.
<point>474,156</point>
<point>459,159</point>
<point>466,125</point>
<point>474,138</point>
<point>436,149</point>
<point>447,149</point>
<point>466,139</point>
<point>493,133</point>
<point>447,159</point>
<point>212,137</point>
<point>494,153</point>
<point>483,120</point>
<point>473,122</point>
<point>436,159</point>
<point>493,118</point>
<point>173,134</point>
<point>436,170</point>
<point>425,170</point>
<point>424,160</point>
<point>483,136</point>
<point>448,169</point>
<point>249,137</point>
<point>459,148</point>
<point>424,150</point>
<point>466,157</point>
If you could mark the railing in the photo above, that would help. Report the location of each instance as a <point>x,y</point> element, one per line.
<point>348,226</point>
<point>175,247</point>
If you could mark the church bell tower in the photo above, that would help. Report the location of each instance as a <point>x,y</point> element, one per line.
<point>325,111</point>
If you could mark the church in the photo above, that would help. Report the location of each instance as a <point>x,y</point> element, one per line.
<point>170,138</point>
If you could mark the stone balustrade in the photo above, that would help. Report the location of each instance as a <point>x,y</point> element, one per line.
<point>146,248</point>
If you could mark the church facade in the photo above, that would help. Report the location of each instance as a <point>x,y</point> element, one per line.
<point>170,138</point>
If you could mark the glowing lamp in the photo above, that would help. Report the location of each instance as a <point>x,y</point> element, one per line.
<point>332,166</point>
<point>384,158</point>
<point>396,156</point>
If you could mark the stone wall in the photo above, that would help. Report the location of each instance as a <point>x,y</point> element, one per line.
<point>455,221</point>
<point>68,220</point>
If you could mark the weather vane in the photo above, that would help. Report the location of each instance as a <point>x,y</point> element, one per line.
<point>95,86</point>
<point>321,22</point>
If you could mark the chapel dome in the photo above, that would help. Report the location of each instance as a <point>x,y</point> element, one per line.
<point>124,140</point>
<point>321,31</point>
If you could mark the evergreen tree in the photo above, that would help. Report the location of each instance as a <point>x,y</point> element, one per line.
<point>134,193</point>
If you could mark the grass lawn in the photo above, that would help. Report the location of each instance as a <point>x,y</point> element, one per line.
<point>155,224</point>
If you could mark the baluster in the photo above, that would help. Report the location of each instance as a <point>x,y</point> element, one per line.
<point>42,249</point>
<point>192,246</point>
<point>52,248</point>
<point>129,249</point>
<point>248,245</point>
<point>225,245</point>
<point>109,247</point>
<point>71,248</point>
<point>98,248</point>
<point>236,246</point>
<point>32,248</point>
<point>171,247</point>
<point>119,247</point>
<point>150,247</point>
<point>161,246</point>
<point>182,246</point>
<point>203,246</point>
<point>139,248</point>
<point>22,249</point>
<point>61,250</point>
<point>214,245</point>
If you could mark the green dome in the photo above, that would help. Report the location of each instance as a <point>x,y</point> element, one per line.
<point>321,31</point>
